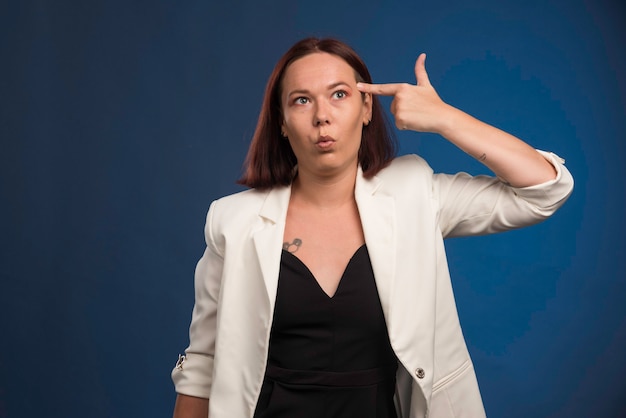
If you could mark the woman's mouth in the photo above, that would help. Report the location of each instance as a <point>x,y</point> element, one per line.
<point>325,142</point>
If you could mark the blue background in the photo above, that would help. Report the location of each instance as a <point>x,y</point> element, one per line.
<point>121,121</point>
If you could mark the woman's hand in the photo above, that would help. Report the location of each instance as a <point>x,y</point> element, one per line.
<point>419,108</point>
<point>414,107</point>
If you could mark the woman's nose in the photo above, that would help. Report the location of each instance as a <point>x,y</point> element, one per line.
<point>322,114</point>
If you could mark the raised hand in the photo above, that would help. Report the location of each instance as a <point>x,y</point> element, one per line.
<point>416,107</point>
<point>419,108</point>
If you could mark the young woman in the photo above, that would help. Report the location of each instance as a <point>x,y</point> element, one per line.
<point>324,289</point>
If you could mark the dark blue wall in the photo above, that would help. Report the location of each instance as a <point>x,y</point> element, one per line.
<point>121,121</point>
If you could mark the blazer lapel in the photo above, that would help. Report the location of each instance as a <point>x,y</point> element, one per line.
<point>268,238</point>
<point>378,219</point>
<point>377,214</point>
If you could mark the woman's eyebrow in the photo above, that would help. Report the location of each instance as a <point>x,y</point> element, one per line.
<point>329,87</point>
<point>337,84</point>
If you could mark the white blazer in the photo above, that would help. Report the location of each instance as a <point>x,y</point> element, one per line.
<point>406,212</point>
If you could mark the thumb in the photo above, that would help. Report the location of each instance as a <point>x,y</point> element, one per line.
<point>420,71</point>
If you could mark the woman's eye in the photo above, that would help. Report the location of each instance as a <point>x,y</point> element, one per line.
<point>301,100</point>
<point>340,94</point>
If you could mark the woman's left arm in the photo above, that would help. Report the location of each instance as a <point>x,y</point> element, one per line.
<point>419,108</point>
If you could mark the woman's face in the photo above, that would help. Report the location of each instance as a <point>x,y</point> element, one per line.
<point>323,114</point>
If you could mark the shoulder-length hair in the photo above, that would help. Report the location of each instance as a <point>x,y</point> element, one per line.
<point>270,161</point>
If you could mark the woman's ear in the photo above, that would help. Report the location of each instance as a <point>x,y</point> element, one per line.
<point>367,107</point>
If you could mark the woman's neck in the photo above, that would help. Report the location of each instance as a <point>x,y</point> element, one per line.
<point>324,192</point>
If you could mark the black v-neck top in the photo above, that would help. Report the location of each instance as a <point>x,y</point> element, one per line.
<point>329,356</point>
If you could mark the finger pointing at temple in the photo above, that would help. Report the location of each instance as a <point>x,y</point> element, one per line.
<point>379,89</point>
<point>414,106</point>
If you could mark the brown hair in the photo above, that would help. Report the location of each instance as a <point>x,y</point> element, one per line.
<point>270,161</point>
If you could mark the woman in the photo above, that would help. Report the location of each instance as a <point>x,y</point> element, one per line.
<point>324,290</point>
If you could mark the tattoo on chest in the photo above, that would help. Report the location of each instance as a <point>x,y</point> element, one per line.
<point>482,157</point>
<point>292,246</point>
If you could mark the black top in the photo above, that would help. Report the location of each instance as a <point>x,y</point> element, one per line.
<point>329,357</point>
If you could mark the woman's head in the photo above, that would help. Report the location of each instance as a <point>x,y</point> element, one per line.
<point>271,160</point>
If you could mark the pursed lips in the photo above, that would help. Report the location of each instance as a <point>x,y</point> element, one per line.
<point>325,142</point>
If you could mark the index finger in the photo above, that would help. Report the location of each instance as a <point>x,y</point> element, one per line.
<point>379,89</point>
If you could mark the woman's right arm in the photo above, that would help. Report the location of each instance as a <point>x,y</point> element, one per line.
<point>193,373</point>
<point>191,407</point>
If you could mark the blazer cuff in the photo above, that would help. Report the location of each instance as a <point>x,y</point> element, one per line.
<point>194,375</point>
<point>552,192</point>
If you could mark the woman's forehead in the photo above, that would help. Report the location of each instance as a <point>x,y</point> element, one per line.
<point>318,67</point>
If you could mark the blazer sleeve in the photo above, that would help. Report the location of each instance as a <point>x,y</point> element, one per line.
<point>484,205</point>
<point>194,376</point>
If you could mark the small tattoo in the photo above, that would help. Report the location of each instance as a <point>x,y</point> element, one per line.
<point>293,246</point>
<point>482,157</point>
